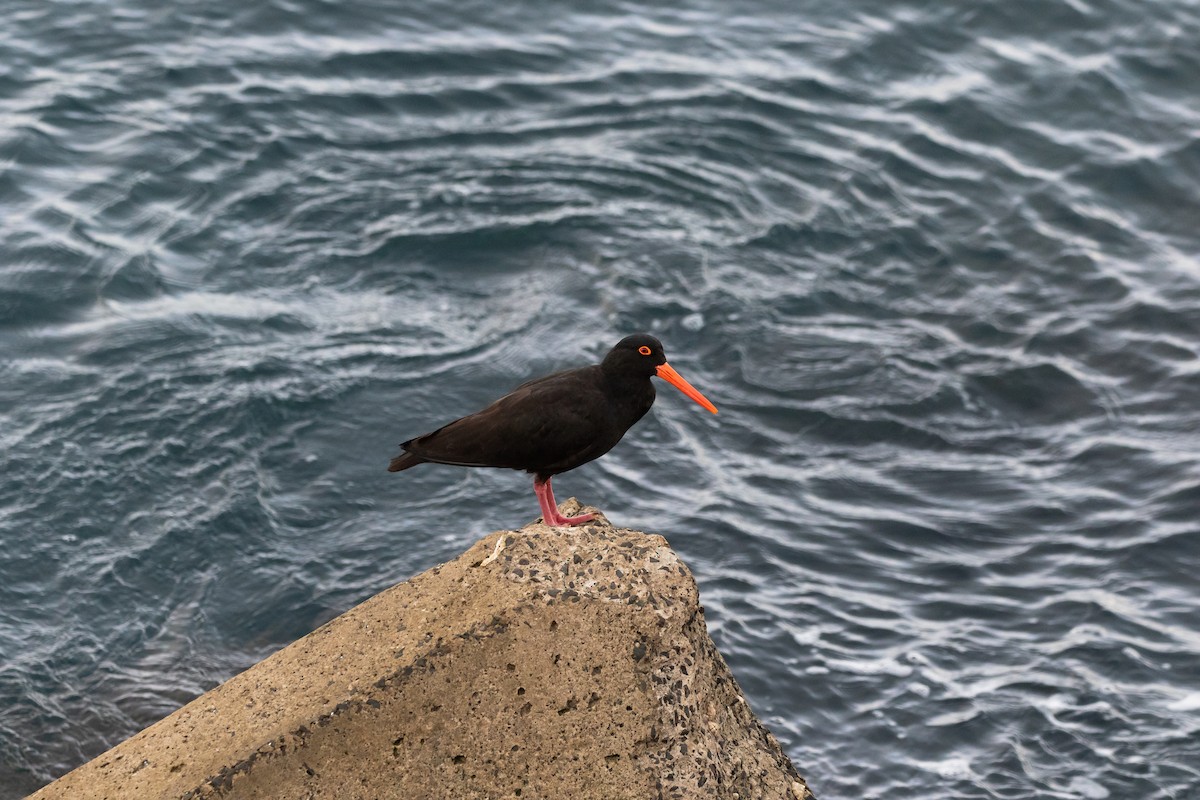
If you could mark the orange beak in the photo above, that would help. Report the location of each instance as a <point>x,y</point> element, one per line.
<point>675,379</point>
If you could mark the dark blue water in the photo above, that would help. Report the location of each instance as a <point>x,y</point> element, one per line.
<point>937,263</point>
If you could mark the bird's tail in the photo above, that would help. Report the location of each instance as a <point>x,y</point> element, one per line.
<point>404,461</point>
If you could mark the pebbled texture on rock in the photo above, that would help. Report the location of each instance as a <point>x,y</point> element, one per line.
<point>575,664</point>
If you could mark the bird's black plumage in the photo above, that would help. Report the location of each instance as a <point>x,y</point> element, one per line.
<point>553,424</point>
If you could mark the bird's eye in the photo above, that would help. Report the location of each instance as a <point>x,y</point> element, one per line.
<point>644,350</point>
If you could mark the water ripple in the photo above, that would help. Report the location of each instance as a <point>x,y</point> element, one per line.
<point>937,267</point>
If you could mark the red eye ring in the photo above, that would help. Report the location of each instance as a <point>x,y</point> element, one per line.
<point>644,350</point>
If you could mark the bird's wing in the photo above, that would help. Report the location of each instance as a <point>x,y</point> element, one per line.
<point>538,425</point>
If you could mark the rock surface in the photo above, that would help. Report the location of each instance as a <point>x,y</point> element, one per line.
<point>576,664</point>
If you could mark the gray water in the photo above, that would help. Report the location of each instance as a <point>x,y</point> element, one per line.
<point>937,264</point>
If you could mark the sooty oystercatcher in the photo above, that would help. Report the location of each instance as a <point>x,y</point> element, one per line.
<point>556,423</point>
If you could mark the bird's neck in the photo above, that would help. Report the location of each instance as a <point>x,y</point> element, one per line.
<point>630,395</point>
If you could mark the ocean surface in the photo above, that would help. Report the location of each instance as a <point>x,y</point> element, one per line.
<point>938,264</point>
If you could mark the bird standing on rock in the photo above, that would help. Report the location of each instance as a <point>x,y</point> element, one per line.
<point>556,423</point>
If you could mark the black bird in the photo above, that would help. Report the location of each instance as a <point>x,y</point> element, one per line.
<point>556,423</point>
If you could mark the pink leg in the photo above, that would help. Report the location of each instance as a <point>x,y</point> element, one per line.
<point>550,515</point>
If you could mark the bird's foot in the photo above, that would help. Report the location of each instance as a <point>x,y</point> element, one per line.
<point>550,513</point>
<point>558,520</point>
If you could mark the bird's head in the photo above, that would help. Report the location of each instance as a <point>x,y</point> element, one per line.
<point>642,355</point>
